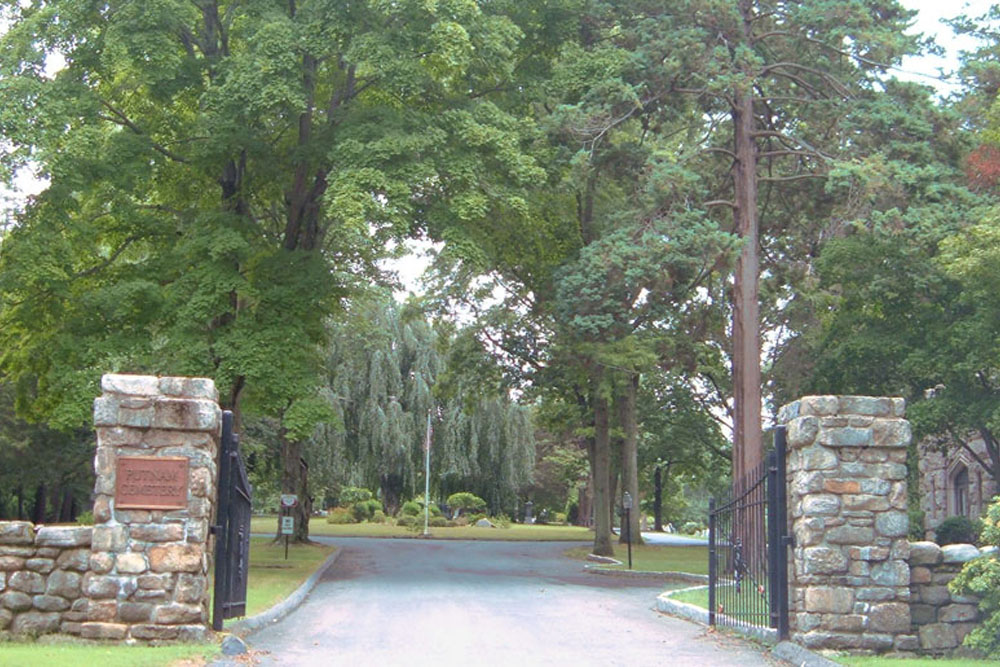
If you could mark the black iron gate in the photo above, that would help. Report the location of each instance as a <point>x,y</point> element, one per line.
<point>232,530</point>
<point>748,548</point>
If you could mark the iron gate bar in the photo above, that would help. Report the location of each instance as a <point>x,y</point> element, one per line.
<point>748,584</point>
<point>232,529</point>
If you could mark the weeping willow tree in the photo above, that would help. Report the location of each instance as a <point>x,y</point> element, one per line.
<point>387,370</point>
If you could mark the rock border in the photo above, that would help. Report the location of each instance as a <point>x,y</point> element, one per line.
<point>247,626</point>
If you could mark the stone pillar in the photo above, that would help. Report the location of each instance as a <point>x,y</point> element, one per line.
<point>849,577</point>
<point>149,562</point>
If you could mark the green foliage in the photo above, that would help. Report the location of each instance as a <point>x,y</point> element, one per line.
<point>958,530</point>
<point>692,527</point>
<point>916,517</point>
<point>364,510</point>
<point>354,494</point>
<point>981,577</point>
<point>407,520</point>
<point>500,520</point>
<point>85,518</point>
<point>437,522</point>
<point>340,515</point>
<point>378,516</point>
<point>465,501</point>
<point>411,508</point>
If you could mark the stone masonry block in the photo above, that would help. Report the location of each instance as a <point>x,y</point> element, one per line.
<point>26,582</point>
<point>131,563</point>
<point>63,583</point>
<point>802,432</point>
<point>958,553</point>
<point>131,385</point>
<point>841,486</point>
<point>16,532</point>
<point>845,437</point>
<point>937,637</point>
<point>874,406</point>
<point>924,553</point>
<point>824,560</point>
<point>187,414</point>
<point>893,617</point>
<point>92,630</point>
<point>64,536</point>
<point>820,504</point>
<point>891,433</point>
<point>175,558</point>
<point>818,405</point>
<point>189,387</point>
<point>892,524</point>
<point>35,623</point>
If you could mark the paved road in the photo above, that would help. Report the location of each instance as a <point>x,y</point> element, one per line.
<point>442,603</point>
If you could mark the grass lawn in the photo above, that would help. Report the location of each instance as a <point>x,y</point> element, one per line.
<point>517,532</point>
<point>874,661</point>
<point>692,559</point>
<point>18,654</point>
<point>272,578</point>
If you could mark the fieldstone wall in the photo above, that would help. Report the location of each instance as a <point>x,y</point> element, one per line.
<point>41,570</point>
<point>941,619</point>
<point>937,482</point>
<point>849,577</point>
<point>149,569</point>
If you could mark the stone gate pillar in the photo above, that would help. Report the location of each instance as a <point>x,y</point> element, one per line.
<point>849,577</point>
<point>157,445</point>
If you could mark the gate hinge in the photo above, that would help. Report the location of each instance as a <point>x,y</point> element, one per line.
<point>789,541</point>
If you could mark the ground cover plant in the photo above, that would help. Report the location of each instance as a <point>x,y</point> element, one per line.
<point>651,558</point>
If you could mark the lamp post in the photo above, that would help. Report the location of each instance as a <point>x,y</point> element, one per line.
<point>627,504</point>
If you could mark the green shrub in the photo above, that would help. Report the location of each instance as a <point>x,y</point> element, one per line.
<point>501,520</point>
<point>354,494</point>
<point>437,522</point>
<point>85,518</point>
<point>365,509</point>
<point>958,530</point>
<point>560,518</point>
<point>982,577</point>
<point>691,527</point>
<point>407,520</point>
<point>378,517</point>
<point>416,508</point>
<point>463,501</point>
<point>338,515</point>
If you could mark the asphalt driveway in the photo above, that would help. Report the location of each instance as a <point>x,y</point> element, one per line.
<point>463,603</point>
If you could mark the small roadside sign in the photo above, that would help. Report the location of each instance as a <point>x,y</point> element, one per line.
<point>289,500</point>
<point>287,525</point>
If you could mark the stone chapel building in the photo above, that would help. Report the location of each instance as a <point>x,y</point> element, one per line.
<point>953,483</point>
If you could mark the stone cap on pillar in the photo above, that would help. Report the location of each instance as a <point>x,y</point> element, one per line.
<point>846,421</point>
<point>169,403</point>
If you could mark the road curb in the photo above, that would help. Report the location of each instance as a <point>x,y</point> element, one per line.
<point>656,575</point>
<point>800,656</point>
<point>248,626</point>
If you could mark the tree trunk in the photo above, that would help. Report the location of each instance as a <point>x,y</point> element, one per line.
<point>658,499</point>
<point>600,474</point>
<point>38,511</point>
<point>294,479</point>
<point>630,457</point>
<point>747,446</point>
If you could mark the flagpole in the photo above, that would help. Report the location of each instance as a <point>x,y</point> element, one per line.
<point>427,475</point>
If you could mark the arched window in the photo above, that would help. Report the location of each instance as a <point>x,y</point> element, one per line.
<point>960,489</point>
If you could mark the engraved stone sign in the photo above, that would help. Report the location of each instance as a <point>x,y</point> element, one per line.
<point>151,482</point>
